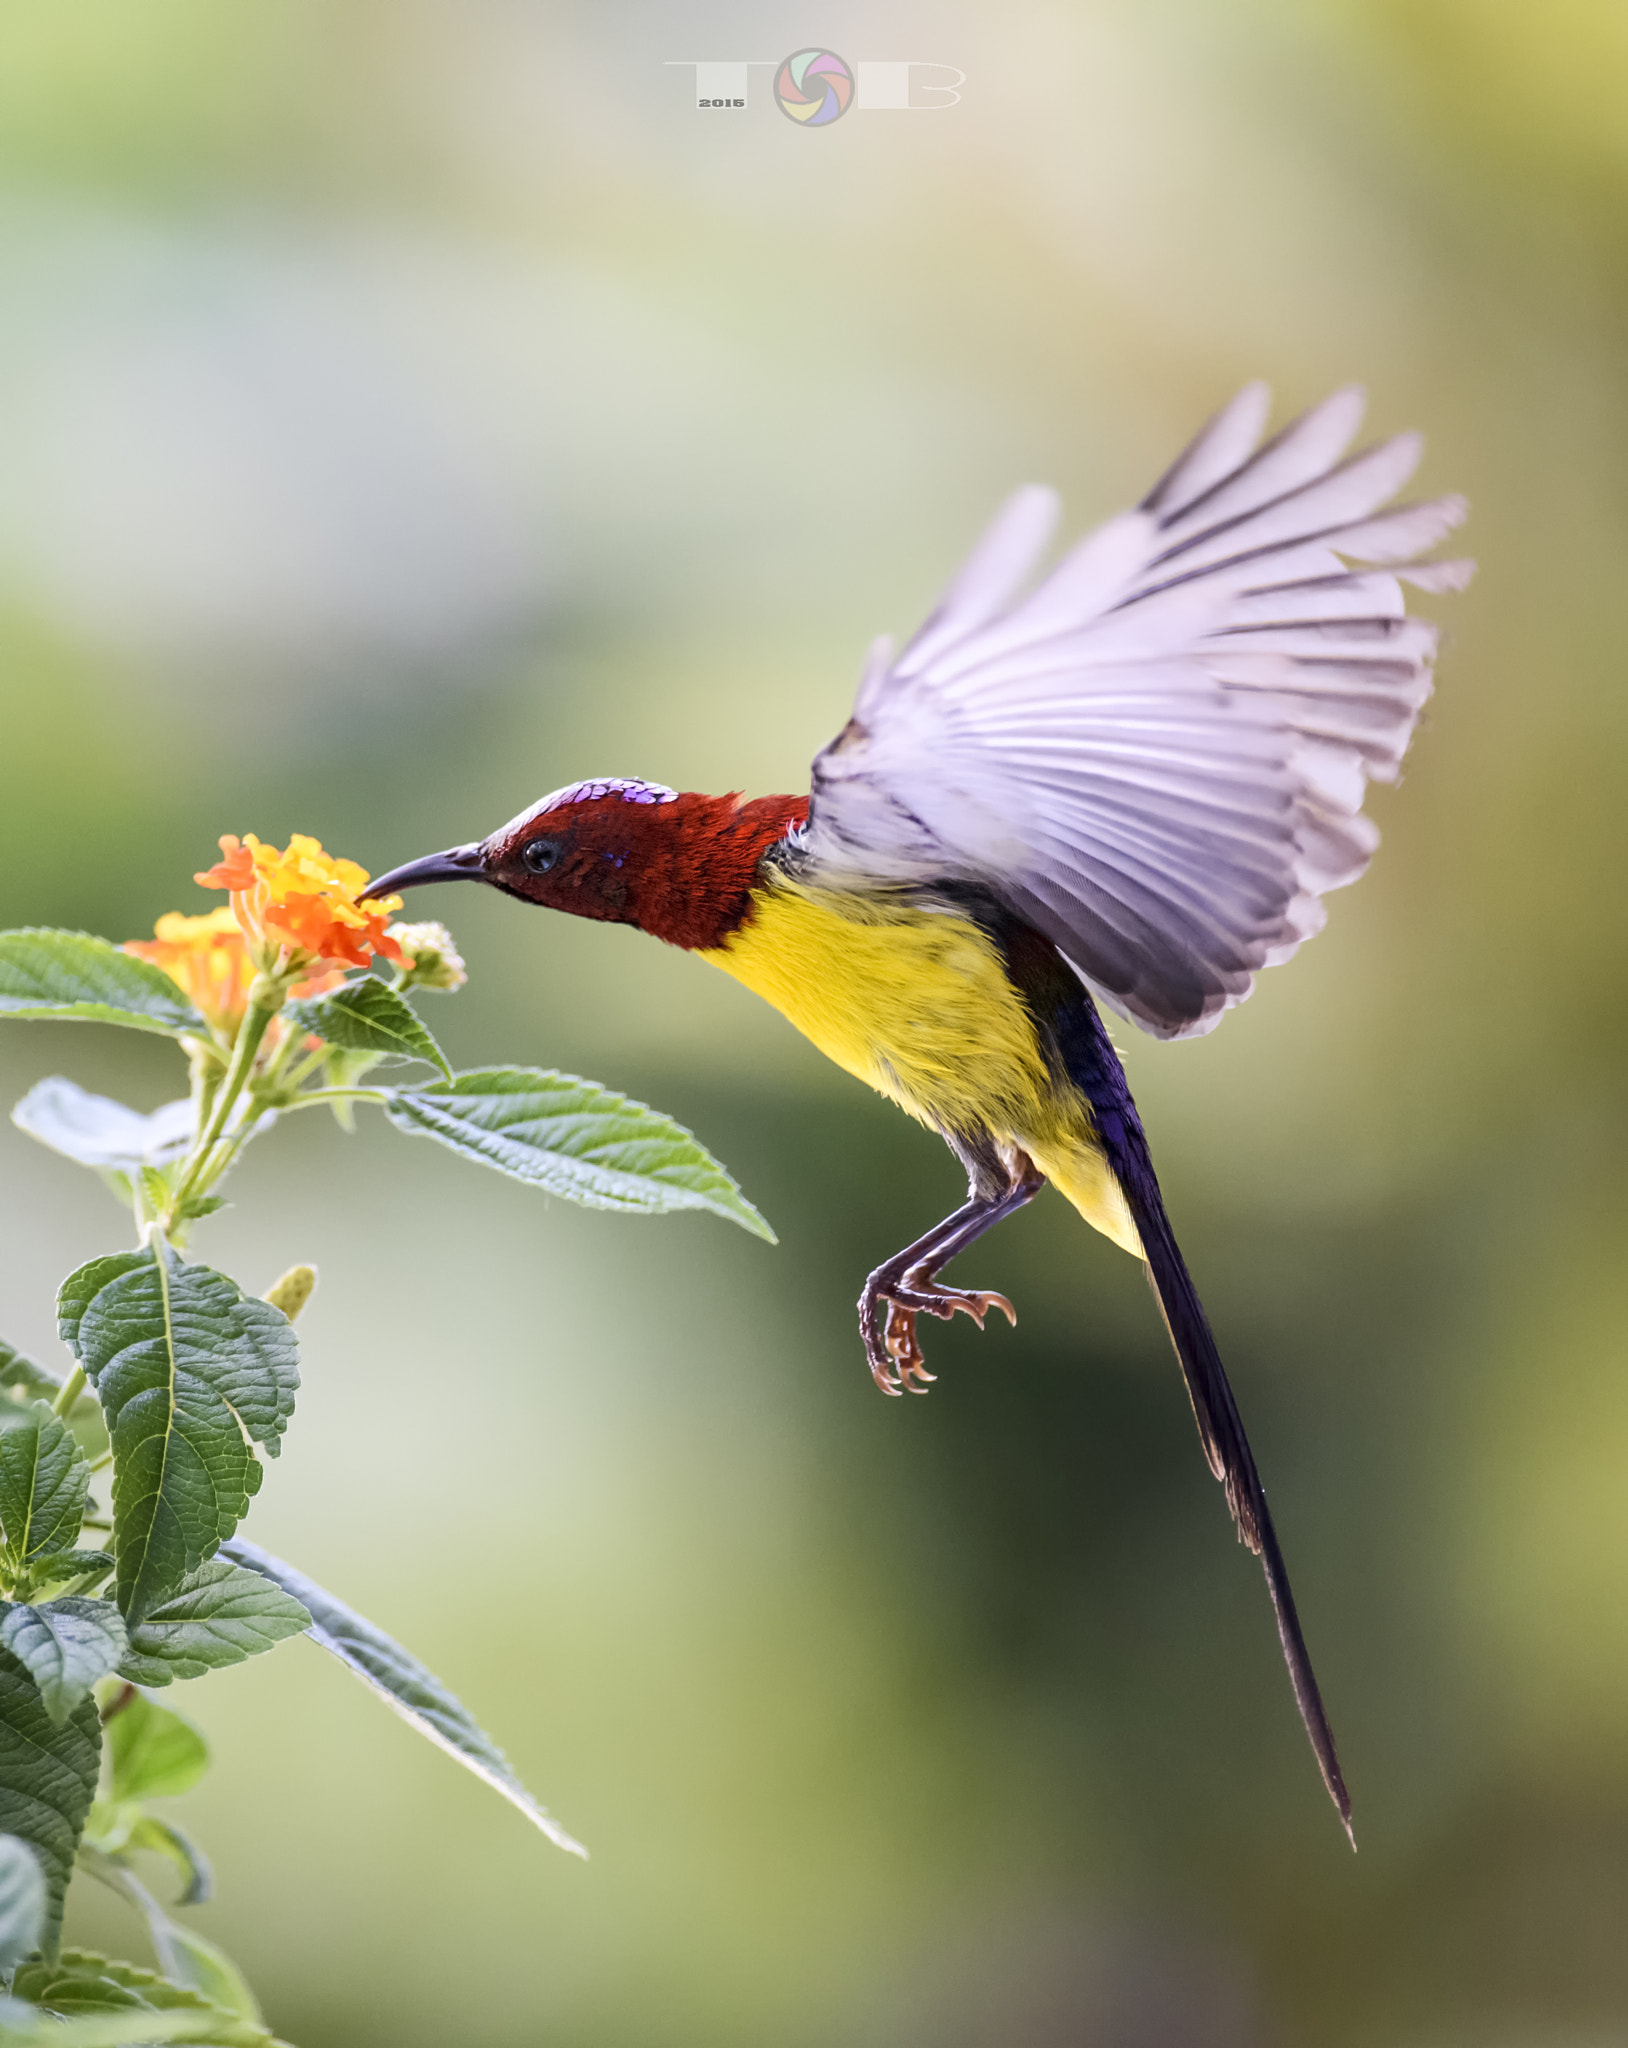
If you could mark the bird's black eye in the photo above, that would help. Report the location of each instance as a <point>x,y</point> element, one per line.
<point>540,854</point>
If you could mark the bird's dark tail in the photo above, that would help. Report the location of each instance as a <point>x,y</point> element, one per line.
<point>1095,1067</point>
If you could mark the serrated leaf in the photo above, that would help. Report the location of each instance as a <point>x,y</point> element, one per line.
<point>574,1139</point>
<point>106,2004</point>
<point>84,1420</point>
<point>47,1780</point>
<point>22,1901</point>
<point>66,1644</point>
<point>155,1752</point>
<point>57,1567</point>
<point>220,1614</point>
<point>19,1371</point>
<point>44,1478</point>
<point>199,1964</point>
<point>185,1958</point>
<point>99,1132</point>
<point>89,1426</point>
<point>77,1983</point>
<point>369,1016</point>
<point>188,1368</point>
<point>412,1690</point>
<point>72,976</point>
<point>134,2027</point>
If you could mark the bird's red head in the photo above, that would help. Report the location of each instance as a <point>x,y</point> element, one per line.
<point>680,867</point>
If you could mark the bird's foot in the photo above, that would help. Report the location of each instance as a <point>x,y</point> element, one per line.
<point>888,1310</point>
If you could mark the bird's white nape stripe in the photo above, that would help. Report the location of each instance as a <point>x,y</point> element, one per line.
<point>1158,755</point>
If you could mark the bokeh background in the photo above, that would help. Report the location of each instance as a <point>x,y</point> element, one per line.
<point>407,406</point>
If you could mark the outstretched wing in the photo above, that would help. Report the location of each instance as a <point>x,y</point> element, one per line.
<point>1159,754</point>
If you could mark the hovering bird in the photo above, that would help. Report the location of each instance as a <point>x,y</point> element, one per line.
<point>1128,785</point>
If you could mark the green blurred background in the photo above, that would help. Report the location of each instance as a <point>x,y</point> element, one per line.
<point>406,408</point>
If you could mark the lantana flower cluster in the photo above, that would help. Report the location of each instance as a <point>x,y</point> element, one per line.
<point>298,920</point>
<point>299,908</point>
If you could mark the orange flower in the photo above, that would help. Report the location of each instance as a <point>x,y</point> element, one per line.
<point>301,908</point>
<point>209,958</point>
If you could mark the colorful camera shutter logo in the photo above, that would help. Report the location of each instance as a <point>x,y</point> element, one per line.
<point>815,88</point>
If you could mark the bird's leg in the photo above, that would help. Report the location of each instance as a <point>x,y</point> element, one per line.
<point>907,1285</point>
<point>877,1309</point>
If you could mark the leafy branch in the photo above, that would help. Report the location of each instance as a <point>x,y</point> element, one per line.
<point>180,1383</point>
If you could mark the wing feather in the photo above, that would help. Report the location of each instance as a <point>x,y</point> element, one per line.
<point>1159,754</point>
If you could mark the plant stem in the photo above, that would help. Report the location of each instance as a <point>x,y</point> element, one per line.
<point>289,1080</point>
<point>276,1075</point>
<point>339,1095</point>
<point>72,1387</point>
<point>207,1070</point>
<point>256,1020</point>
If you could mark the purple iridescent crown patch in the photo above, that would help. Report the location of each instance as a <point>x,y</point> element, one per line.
<point>629,789</point>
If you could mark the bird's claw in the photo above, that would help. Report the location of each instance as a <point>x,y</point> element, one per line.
<point>887,1321</point>
<point>910,1374</point>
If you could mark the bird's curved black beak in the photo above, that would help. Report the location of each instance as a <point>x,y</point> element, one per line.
<point>457,864</point>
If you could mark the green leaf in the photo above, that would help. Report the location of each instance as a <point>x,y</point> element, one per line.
<point>84,1420</point>
<point>66,1645</point>
<point>89,1426</point>
<point>188,1958</point>
<point>406,1685</point>
<point>164,1838</point>
<point>18,1371</point>
<point>106,2004</point>
<point>576,1139</point>
<point>369,1016</point>
<point>70,975</point>
<point>22,1901</point>
<point>44,1477</point>
<point>185,1958</point>
<point>156,1753</point>
<point>58,1567</point>
<point>130,2028</point>
<point>47,1780</point>
<point>187,1368</point>
<point>76,1983</point>
<point>220,1614</point>
<point>99,1132</point>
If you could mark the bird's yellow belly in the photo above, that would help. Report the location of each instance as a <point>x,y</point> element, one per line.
<point>918,1004</point>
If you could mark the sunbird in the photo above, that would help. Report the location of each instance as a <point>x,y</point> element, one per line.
<point>1127,784</point>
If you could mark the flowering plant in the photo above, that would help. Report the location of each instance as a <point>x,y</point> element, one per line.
<point>179,1380</point>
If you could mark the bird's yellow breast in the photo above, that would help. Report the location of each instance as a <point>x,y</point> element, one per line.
<point>918,1004</point>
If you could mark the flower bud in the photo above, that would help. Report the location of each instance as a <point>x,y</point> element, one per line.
<point>293,1290</point>
<point>436,961</point>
